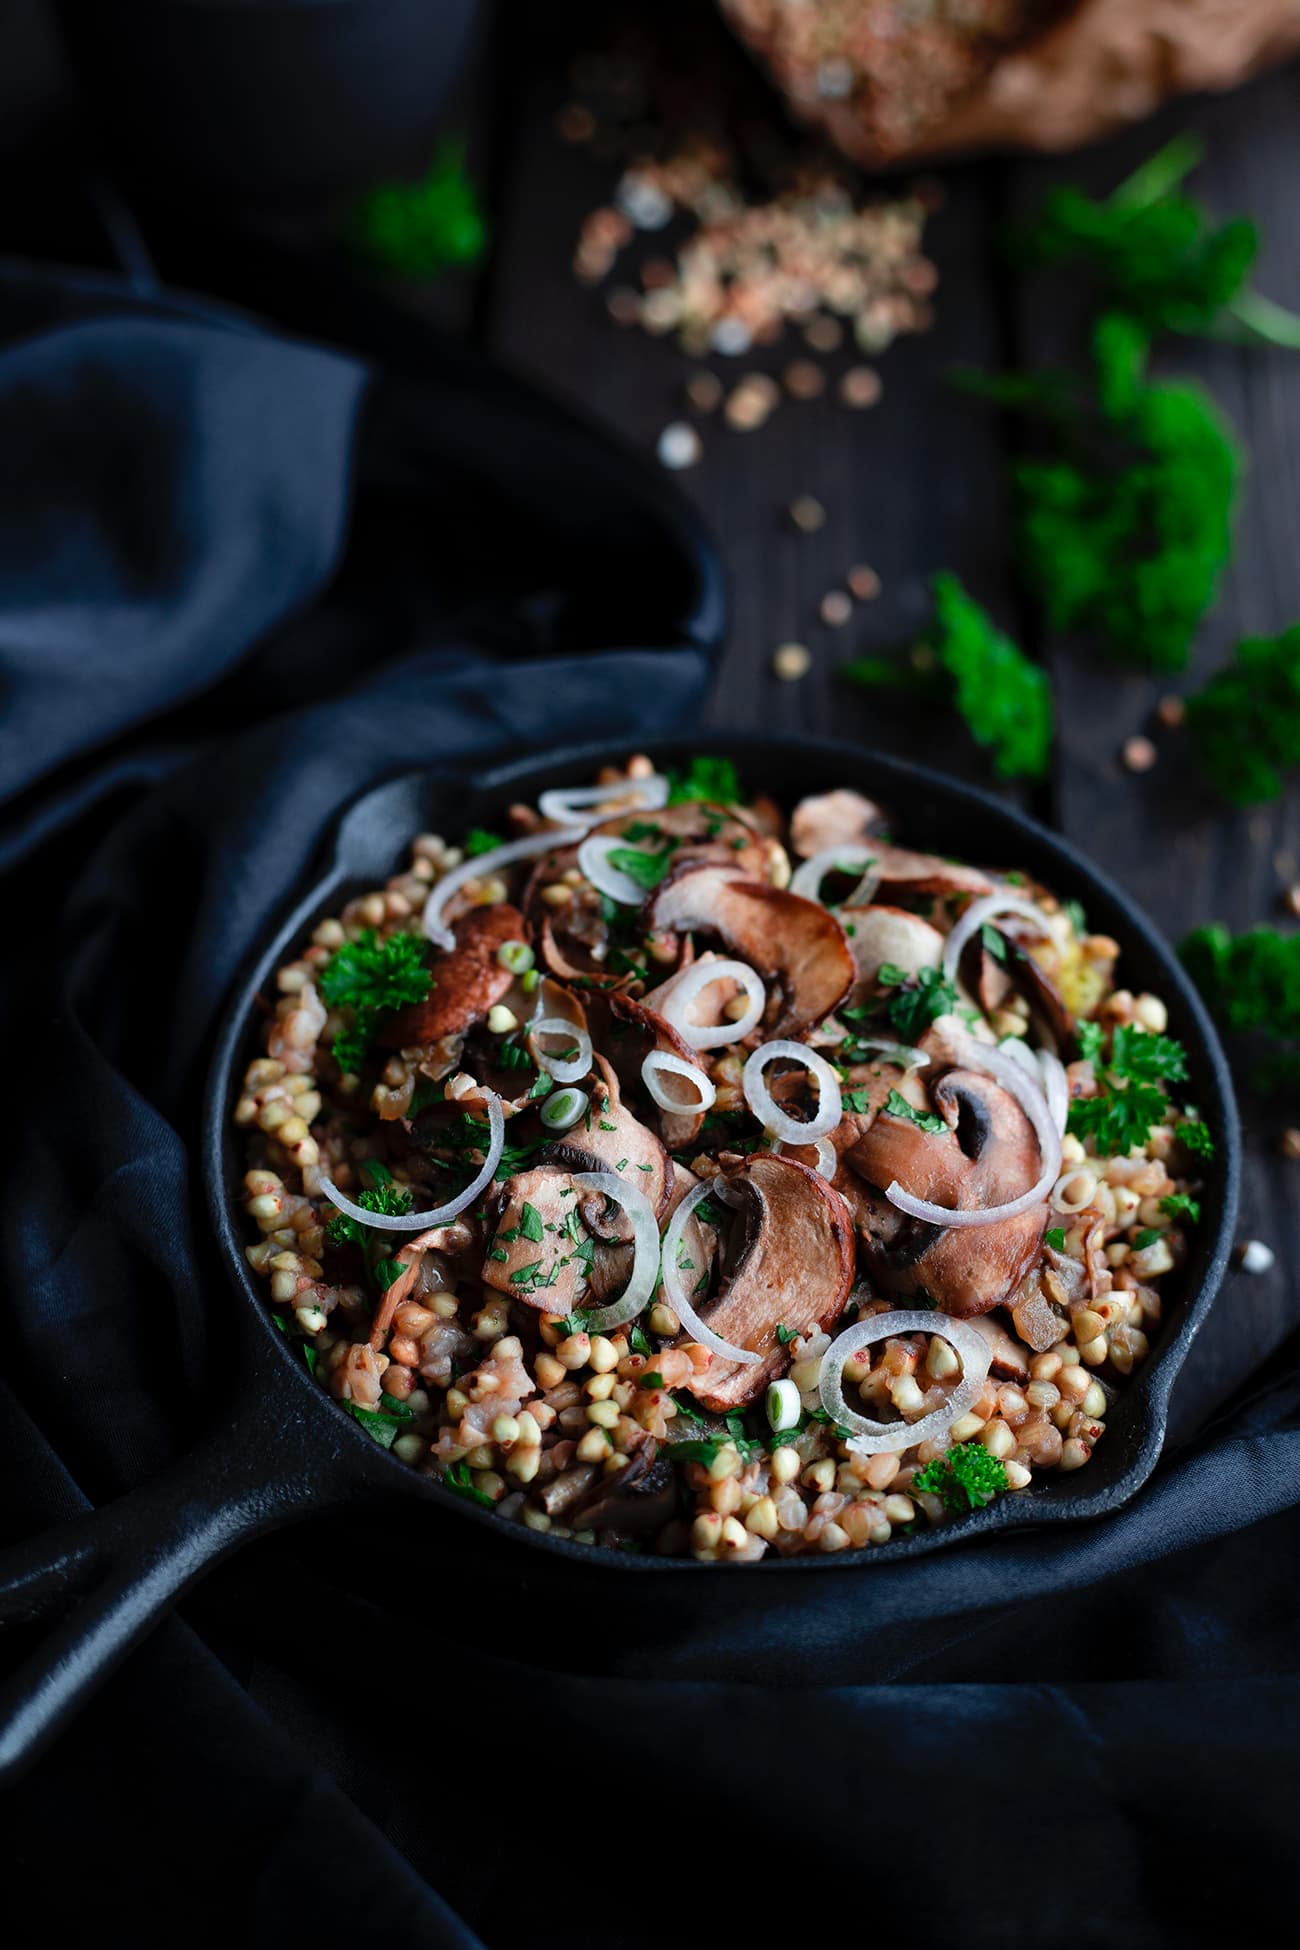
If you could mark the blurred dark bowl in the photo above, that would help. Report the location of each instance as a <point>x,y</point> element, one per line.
<point>272,100</point>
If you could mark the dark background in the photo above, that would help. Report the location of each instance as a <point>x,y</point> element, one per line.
<point>919,483</point>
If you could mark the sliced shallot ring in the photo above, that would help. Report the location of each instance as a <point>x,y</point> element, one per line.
<point>479,868</point>
<point>677,1299</point>
<point>660,1063</point>
<point>870,1438</point>
<point>644,1277</point>
<point>903,1054</point>
<point>846,859</point>
<point>594,862</point>
<point>678,995</point>
<point>790,1130</point>
<point>982,910</point>
<point>566,803</point>
<point>564,1069</point>
<point>1056,1087</point>
<point>421,1221</point>
<point>1028,1093</point>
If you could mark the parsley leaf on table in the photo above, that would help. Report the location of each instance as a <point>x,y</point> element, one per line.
<point>1246,721</point>
<point>1005,698</point>
<point>1250,981</point>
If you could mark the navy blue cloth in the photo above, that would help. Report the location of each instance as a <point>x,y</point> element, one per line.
<point>240,579</point>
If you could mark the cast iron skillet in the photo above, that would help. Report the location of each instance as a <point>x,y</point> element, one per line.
<point>283,1450</point>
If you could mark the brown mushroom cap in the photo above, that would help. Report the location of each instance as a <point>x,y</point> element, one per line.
<point>794,1268</point>
<point>926,873</point>
<point>827,819</point>
<point>467,979</point>
<point>561,1280</point>
<point>795,945</point>
<point>988,1156</point>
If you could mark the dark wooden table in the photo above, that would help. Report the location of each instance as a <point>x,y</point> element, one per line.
<point>921,483</point>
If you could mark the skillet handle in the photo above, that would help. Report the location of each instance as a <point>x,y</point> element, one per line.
<point>108,1577</point>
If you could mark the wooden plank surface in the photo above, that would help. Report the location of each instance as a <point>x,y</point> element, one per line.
<point>921,483</point>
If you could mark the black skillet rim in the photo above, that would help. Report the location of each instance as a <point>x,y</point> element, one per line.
<point>1144,1402</point>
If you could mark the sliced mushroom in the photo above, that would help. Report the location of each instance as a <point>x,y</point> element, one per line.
<point>640,1499</point>
<point>632,1031</point>
<point>988,1156</point>
<point>610,1138</point>
<point>877,935</point>
<point>992,978</point>
<point>699,1242</point>
<point>547,1273</point>
<point>467,979</point>
<point>794,1268</point>
<point>829,819</point>
<point>795,945</point>
<point>926,873</point>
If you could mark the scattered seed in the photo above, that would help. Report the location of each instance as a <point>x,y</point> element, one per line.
<point>703,392</point>
<point>807,513</point>
<point>623,305</point>
<point>1138,754</point>
<point>860,386</point>
<point>679,445</point>
<point>731,337</point>
<point>864,583</point>
<point>642,201</point>
<point>823,334</point>
<point>836,608</point>
<point>1253,1256</point>
<point>791,661</point>
<point>804,380</point>
<point>575,123</point>
<point>1171,711</point>
<point>1289,1143</point>
<point>1291,898</point>
<point>751,404</point>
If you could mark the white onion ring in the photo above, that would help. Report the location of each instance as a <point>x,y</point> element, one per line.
<point>478,869</point>
<point>790,1130</point>
<point>903,1054</point>
<point>644,1277</point>
<point>876,1438</point>
<point>1028,1093</point>
<point>593,861</point>
<point>563,1069</point>
<point>565,803</point>
<point>421,1221</point>
<point>1056,1087</point>
<point>662,1062</point>
<point>974,918</point>
<point>673,1286</point>
<point>683,989</point>
<point>828,1161</point>
<point>808,878</point>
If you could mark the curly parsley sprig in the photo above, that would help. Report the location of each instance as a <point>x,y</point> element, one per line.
<point>1131,1098</point>
<point>372,977</point>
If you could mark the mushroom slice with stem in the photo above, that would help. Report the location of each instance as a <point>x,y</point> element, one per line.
<point>532,1254</point>
<point>796,946</point>
<point>466,980</point>
<point>792,1267</point>
<point>987,1156</point>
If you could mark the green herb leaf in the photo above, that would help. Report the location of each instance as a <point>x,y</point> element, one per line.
<point>965,1479</point>
<point>713,779</point>
<point>380,1428</point>
<point>918,1001</point>
<point>372,977</point>
<point>1055,1237</point>
<point>924,1120</point>
<point>530,1224</point>
<point>1147,1237</point>
<point>646,869</point>
<point>1180,1205</point>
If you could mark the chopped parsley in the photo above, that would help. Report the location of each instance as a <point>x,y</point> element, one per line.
<point>478,842</point>
<point>457,1478</point>
<point>1179,1205</point>
<point>1120,1117</point>
<point>918,1000</point>
<point>646,869</point>
<point>1147,1237</point>
<point>1055,1237</point>
<point>965,1479</point>
<point>924,1120</point>
<point>389,1199</point>
<point>372,977</point>
<point>713,779</point>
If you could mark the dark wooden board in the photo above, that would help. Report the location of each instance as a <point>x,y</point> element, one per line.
<point>920,483</point>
